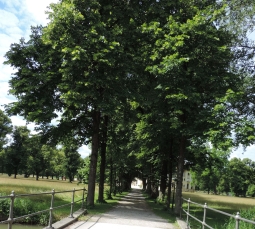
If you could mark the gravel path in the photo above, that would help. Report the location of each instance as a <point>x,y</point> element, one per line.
<point>132,212</point>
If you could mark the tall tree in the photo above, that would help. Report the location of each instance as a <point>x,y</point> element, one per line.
<point>191,58</point>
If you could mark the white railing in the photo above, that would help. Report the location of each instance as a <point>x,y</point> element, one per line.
<point>11,219</point>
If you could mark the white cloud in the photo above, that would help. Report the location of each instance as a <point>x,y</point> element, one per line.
<point>84,151</point>
<point>37,9</point>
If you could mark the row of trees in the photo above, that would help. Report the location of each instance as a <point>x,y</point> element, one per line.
<point>24,153</point>
<point>147,83</point>
<point>234,176</point>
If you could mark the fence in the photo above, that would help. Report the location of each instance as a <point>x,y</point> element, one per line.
<point>205,207</point>
<point>12,197</point>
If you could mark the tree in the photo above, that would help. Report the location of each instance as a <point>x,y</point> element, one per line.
<point>78,71</point>
<point>208,167</point>
<point>16,153</point>
<point>103,148</point>
<point>58,163</point>
<point>72,160</point>
<point>191,59</point>
<point>5,128</point>
<point>238,177</point>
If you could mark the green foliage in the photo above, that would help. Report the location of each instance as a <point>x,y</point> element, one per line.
<point>4,207</point>
<point>251,190</point>
<point>72,160</point>
<point>22,207</point>
<point>83,171</point>
<point>209,168</point>
<point>239,176</point>
<point>17,152</point>
<point>5,128</point>
<point>247,214</point>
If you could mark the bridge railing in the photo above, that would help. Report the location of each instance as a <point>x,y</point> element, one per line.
<point>11,219</point>
<point>237,217</point>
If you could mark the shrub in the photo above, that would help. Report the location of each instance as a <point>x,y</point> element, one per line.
<point>251,190</point>
<point>23,207</point>
<point>247,214</point>
<point>4,208</point>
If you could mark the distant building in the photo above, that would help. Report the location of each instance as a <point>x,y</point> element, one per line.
<point>186,182</point>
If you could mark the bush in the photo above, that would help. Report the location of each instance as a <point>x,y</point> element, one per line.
<point>251,190</point>
<point>23,207</point>
<point>247,214</point>
<point>4,208</point>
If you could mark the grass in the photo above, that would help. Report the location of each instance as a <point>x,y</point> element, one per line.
<point>160,210</point>
<point>228,204</point>
<point>29,185</point>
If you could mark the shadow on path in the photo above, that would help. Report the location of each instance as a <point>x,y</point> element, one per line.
<point>131,212</point>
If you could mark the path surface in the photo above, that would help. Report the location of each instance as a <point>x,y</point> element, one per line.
<point>132,212</point>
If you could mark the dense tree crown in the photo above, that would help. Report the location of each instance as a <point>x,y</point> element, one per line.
<point>144,82</point>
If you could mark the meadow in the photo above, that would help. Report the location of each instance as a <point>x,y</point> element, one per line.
<point>22,185</point>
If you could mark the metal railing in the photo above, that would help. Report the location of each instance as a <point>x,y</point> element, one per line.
<point>12,197</point>
<point>203,223</point>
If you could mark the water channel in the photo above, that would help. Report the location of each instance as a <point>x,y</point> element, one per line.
<point>21,226</point>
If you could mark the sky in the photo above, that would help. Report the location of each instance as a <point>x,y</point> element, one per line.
<point>16,17</point>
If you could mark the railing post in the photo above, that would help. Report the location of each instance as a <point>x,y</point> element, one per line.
<point>12,196</point>
<point>237,220</point>
<point>72,204</point>
<point>51,209</point>
<point>83,194</point>
<point>205,206</point>
<point>188,213</point>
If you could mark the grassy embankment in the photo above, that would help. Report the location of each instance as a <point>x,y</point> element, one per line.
<point>23,185</point>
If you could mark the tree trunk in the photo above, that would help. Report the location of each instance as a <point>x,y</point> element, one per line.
<point>170,175</point>
<point>178,196</point>
<point>15,172</point>
<point>148,187</point>
<point>93,159</point>
<point>163,179</point>
<point>154,190</point>
<point>103,161</point>
<point>144,183</point>
<point>37,176</point>
<point>111,173</point>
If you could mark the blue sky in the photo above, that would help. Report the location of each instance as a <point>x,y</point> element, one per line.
<point>16,17</point>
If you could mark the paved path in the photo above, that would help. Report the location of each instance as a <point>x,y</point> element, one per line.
<point>132,212</point>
